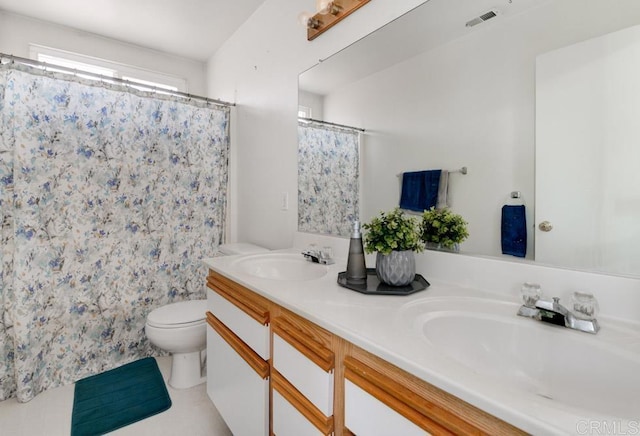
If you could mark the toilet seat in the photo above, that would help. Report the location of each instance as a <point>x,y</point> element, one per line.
<point>176,315</point>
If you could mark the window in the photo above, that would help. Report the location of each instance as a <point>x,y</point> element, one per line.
<point>145,84</point>
<point>76,65</point>
<point>145,79</point>
<point>304,112</point>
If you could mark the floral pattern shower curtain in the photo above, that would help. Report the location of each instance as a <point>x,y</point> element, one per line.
<point>328,178</point>
<point>109,200</point>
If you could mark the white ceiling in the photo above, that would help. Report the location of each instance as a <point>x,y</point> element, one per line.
<point>193,29</point>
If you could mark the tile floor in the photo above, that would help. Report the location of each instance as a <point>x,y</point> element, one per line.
<point>49,414</point>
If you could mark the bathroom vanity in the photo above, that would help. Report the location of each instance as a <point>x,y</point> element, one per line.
<point>320,383</point>
<point>291,352</point>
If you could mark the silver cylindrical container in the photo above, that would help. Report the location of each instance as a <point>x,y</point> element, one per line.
<point>356,268</point>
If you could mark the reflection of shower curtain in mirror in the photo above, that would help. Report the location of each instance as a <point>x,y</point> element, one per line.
<point>109,199</point>
<point>328,193</point>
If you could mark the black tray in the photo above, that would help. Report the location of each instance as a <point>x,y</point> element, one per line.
<point>375,287</point>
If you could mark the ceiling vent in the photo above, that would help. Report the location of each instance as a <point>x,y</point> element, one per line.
<point>482,18</point>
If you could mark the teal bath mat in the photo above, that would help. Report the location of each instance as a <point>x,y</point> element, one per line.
<point>119,397</point>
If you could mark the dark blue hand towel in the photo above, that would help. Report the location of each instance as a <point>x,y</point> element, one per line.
<point>420,190</point>
<point>514,230</point>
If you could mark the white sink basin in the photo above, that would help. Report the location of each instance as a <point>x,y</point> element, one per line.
<point>596,373</point>
<point>280,266</point>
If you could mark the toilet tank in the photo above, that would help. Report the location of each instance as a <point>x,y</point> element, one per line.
<point>239,248</point>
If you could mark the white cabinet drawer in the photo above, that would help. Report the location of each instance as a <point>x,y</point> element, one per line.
<point>313,382</point>
<point>238,391</point>
<point>246,327</point>
<point>366,415</point>
<point>293,413</point>
<point>288,421</point>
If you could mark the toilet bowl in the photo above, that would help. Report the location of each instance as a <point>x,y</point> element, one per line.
<point>180,329</point>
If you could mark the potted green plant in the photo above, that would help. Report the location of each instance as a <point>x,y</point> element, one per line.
<point>394,236</point>
<point>441,228</point>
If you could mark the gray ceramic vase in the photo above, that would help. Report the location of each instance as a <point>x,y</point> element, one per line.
<point>397,268</point>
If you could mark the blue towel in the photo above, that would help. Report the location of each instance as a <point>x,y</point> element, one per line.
<point>514,230</point>
<point>420,190</point>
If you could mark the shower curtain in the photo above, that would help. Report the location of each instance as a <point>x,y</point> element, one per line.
<point>109,199</point>
<point>328,179</point>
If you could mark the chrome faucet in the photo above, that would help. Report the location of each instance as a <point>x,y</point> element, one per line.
<point>552,312</point>
<point>555,313</point>
<point>322,256</point>
<point>585,308</point>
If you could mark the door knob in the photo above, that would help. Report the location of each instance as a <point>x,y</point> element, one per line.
<point>545,226</point>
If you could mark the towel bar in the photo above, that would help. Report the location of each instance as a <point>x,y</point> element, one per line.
<point>462,170</point>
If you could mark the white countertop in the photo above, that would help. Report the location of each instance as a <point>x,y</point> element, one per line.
<point>382,326</point>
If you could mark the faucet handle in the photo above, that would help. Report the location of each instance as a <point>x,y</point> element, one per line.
<point>530,294</point>
<point>586,305</point>
<point>326,255</point>
<point>326,252</point>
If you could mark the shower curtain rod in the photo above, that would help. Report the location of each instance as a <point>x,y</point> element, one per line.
<point>326,123</point>
<point>40,64</point>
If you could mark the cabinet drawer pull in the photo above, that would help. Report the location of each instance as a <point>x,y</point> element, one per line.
<point>402,400</point>
<point>248,355</point>
<point>316,352</point>
<point>238,296</point>
<point>301,403</point>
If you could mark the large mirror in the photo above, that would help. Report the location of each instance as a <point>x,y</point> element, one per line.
<point>432,92</point>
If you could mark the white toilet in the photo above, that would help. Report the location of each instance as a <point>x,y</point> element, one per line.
<point>239,248</point>
<point>181,329</point>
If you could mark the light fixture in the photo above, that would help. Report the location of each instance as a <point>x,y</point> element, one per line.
<point>328,14</point>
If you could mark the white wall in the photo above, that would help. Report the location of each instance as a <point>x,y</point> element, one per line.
<point>17,32</point>
<point>258,68</point>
